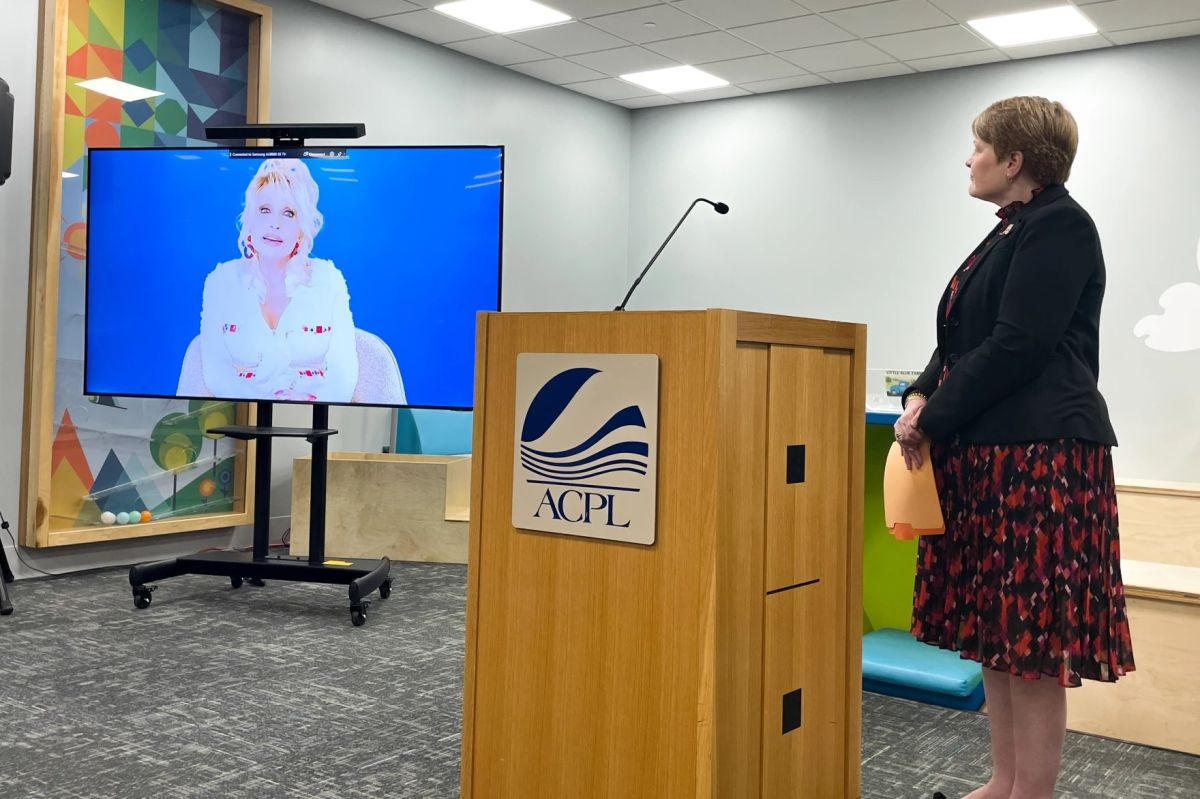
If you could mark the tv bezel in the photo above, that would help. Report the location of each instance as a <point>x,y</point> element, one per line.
<point>266,151</point>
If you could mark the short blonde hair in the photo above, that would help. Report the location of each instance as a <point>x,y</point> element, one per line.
<point>293,176</point>
<point>1042,130</point>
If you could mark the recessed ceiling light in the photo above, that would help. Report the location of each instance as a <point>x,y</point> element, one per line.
<point>1029,27</point>
<point>125,92</point>
<point>502,16</point>
<point>675,80</point>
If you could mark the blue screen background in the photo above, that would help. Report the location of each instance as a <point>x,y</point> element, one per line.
<point>415,232</point>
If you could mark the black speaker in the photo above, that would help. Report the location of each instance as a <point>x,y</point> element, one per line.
<point>6,131</point>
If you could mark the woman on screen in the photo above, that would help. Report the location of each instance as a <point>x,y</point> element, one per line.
<point>275,323</point>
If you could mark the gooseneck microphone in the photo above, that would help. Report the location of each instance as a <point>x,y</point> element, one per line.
<point>720,208</point>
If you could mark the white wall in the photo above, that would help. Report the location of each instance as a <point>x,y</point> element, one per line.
<point>566,200</point>
<point>849,202</point>
<point>18,37</point>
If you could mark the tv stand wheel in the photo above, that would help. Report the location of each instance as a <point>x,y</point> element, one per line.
<point>257,582</point>
<point>141,596</point>
<point>385,588</point>
<point>236,582</point>
<point>358,616</point>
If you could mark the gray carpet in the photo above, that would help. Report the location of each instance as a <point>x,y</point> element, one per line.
<point>270,692</point>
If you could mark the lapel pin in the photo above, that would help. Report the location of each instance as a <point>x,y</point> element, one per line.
<point>1007,230</point>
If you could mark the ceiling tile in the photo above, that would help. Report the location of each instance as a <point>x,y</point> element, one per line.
<point>896,16</point>
<point>867,73</point>
<point>1120,14</point>
<point>956,60</point>
<point>844,55</point>
<point>648,102</point>
<point>729,14</point>
<point>787,34</point>
<point>557,70</point>
<point>1134,35</point>
<point>569,38</point>
<point>759,67</point>
<point>368,9</point>
<point>832,5</point>
<point>964,10</point>
<point>710,94</point>
<point>582,9</point>
<point>783,84</point>
<point>499,50</point>
<point>623,60</point>
<point>651,24</point>
<point>929,43</point>
<point>432,26</point>
<point>1075,45</point>
<point>609,89</point>
<point>715,46</point>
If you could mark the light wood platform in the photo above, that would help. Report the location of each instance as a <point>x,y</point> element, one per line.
<point>404,507</point>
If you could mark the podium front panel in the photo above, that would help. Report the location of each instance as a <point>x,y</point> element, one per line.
<point>588,652</point>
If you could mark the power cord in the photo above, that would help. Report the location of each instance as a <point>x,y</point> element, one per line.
<point>17,550</point>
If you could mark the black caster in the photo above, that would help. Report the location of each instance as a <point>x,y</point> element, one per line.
<point>236,582</point>
<point>358,614</point>
<point>141,596</point>
<point>385,589</point>
<point>257,582</point>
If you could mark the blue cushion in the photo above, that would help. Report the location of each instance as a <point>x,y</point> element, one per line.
<point>894,657</point>
<point>424,431</point>
<point>972,701</point>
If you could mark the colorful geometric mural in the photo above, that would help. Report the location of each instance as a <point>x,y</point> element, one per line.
<point>145,458</point>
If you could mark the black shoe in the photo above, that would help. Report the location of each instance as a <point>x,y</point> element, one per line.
<point>939,795</point>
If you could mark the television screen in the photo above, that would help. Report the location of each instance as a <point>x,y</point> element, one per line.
<point>344,275</point>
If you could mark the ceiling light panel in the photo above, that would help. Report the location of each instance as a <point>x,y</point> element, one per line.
<point>502,16</point>
<point>675,80</point>
<point>1029,27</point>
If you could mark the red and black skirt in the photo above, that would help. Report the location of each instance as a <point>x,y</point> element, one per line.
<point>1027,577</point>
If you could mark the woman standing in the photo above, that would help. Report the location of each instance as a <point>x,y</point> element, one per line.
<point>1026,579</point>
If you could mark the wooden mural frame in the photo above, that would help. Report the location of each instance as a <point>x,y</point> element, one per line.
<point>44,267</point>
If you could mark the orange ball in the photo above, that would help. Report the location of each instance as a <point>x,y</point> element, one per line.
<point>146,516</point>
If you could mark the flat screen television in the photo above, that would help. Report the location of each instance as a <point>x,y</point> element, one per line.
<point>341,275</point>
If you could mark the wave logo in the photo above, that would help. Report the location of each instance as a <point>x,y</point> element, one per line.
<point>584,454</point>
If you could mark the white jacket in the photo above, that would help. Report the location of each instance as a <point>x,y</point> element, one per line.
<point>309,356</point>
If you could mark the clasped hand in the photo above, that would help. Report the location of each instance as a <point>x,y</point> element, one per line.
<point>908,435</point>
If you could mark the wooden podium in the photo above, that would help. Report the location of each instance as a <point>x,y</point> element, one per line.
<point>724,660</point>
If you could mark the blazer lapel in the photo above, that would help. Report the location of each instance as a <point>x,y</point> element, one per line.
<point>999,233</point>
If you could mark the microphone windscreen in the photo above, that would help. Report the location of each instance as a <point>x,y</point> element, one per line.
<point>721,208</point>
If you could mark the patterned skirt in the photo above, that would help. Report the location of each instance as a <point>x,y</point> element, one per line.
<point>1027,577</point>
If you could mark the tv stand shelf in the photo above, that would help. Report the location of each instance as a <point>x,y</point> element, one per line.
<point>361,575</point>
<point>247,432</point>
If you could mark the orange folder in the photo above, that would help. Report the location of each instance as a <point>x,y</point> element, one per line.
<point>910,499</point>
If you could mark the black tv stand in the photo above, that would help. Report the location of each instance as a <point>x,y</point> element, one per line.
<point>362,576</point>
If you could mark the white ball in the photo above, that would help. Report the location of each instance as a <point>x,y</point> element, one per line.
<point>122,518</point>
<point>108,517</point>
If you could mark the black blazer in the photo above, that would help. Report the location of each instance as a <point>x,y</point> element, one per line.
<point>1022,339</point>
